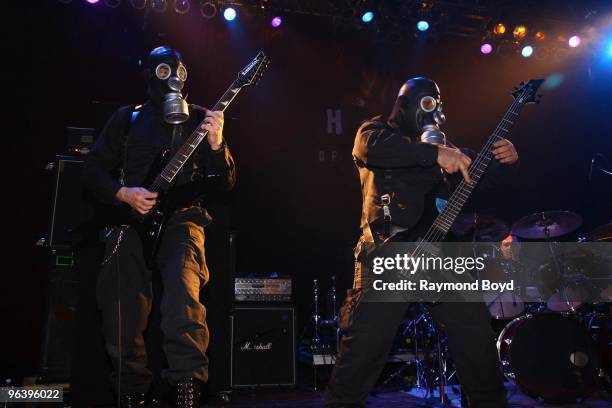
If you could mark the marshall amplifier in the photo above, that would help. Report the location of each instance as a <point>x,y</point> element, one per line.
<point>263,346</point>
<point>262,290</point>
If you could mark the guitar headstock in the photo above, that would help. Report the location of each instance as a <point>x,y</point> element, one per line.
<point>252,72</point>
<point>526,92</point>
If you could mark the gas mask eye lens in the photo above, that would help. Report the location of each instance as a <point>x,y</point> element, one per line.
<point>181,72</point>
<point>428,104</point>
<point>162,71</point>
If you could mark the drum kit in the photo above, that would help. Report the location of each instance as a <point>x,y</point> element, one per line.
<point>553,345</point>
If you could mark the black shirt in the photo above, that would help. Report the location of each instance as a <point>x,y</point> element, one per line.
<point>147,136</point>
<point>394,164</point>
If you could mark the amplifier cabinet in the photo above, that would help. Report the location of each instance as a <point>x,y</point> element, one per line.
<point>69,207</point>
<point>263,346</point>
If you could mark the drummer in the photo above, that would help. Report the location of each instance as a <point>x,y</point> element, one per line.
<point>510,247</point>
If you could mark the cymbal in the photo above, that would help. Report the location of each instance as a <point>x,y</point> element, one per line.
<point>480,226</point>
<point>601,233</point>
<point>548,224</point>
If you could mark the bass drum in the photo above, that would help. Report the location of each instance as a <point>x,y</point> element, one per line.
<point>549,356</point>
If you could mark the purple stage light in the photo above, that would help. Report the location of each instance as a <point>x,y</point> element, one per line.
<point>276,21</point>
<point>92,1</point>
<point>574,41</point>
<point>486,48</point>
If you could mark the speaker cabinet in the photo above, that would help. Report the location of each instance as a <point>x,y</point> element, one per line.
<point>263,346</point>
<point>69,207</point>
<point>59,327</point>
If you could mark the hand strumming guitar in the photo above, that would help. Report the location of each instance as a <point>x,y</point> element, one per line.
<point>453,160</point>
<point>140,199</point>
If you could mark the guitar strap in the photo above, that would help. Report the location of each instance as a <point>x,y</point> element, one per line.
<point>124,143</point>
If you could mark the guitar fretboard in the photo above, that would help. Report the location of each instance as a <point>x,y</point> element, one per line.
<point>167,175</point>
<point>457,200</point>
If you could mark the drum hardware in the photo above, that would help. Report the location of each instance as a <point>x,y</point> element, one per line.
<point>429,347</point>
<point>331,309</point>
<point>546,225</point>
<point>334,308</point>
<point>324,334</point>
<point>319,338</point>
<point>481,227</point>
<point>316,340</point>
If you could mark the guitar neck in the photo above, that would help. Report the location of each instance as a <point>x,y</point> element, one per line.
<point>164,179</point>
<point>457,200</point>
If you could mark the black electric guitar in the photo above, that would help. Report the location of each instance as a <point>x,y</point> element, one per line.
<point>426,233</point>
<point>164,169</point>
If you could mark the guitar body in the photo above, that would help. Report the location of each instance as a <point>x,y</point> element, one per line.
<point>150,227</point>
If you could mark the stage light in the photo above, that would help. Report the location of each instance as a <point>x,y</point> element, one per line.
<point>276,22</point>
<point>182,6</point>
<point>229,14</point>
<point>486,48</point>
<point>608,49</point>
<point>527,51</point>
<point>539,35</point>
<point>92,1</point>
<point>139,4</point>
<point>499,29</point>
<point>553,81</point>
<point>423,25</point>
<point>367,17</point>
<point>574,41</point>
<point>208,10</point>
<point>159,6</point>
<point>519,32</point>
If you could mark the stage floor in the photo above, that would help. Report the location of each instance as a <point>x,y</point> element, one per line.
<point>311,399</point>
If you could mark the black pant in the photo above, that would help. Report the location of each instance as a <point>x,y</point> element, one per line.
<point>368,331</point>
<point>125,298</point>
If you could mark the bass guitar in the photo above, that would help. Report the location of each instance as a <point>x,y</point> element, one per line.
<point>425,234</point>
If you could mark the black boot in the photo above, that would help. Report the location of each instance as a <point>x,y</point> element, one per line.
<point>136,400</point>
<point>188,392</point>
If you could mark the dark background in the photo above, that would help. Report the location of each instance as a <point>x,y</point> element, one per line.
<point>296,205</point>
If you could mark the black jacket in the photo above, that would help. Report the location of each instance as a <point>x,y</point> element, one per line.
<point>147,136</point>
<point>390,163</point>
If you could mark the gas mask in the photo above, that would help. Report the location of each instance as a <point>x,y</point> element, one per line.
<point>417,112</point>
<point>166,76</point>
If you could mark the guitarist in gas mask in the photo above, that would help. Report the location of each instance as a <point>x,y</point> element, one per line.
<point>115,173</point>
<point>400,161</point>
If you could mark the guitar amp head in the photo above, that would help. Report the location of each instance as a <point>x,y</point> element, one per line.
<point>262,290</point>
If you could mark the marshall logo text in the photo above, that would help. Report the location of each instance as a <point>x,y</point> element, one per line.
<point>247,346</point>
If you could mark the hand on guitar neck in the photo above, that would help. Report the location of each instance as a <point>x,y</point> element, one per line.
<point>505,152</point>
<point>453,160</point>
<point>213,123</point>
<point>140,199</point>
